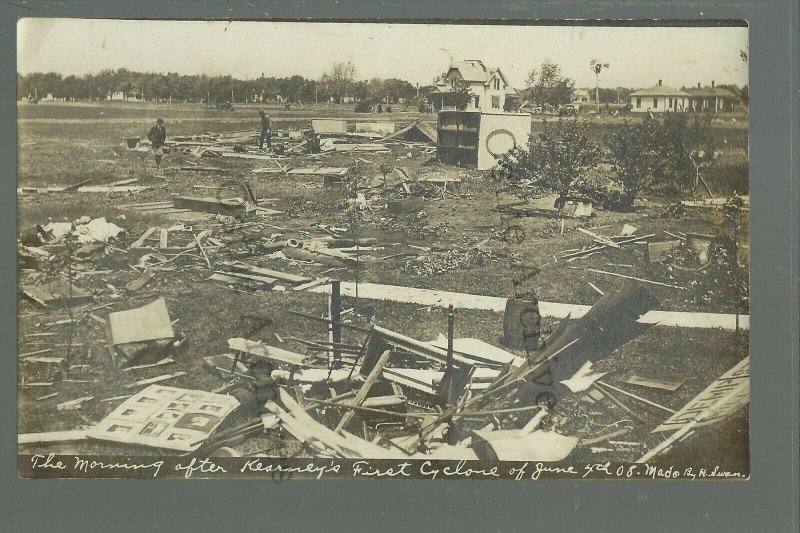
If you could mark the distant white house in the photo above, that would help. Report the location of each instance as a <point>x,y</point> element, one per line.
<point>659,99</point>
<point>711,99</point>
<point>119,96</point>
<point>490,86</point>
<point>581,96</point>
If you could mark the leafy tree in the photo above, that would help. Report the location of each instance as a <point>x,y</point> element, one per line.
<point>337,80</point>
<point>547,87</point>
<point>395,89</point>
<point>688,148</point>
<point>360,90</point>
<point>558,158</point>
<point>461,95</point>
<point>22,89</point>
<point>636,157</point>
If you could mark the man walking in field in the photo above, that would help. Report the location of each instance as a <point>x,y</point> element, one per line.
<point>157,136</point>
<point>266,134</point>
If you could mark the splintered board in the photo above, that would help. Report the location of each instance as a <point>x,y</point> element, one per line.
<point>169,212</point>
<point>653,383</point>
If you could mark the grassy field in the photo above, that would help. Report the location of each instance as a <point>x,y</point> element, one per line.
<point>60,145</point>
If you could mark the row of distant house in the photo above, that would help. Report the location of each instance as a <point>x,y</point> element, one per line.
<point>492,91</point>
<point>660,98</point>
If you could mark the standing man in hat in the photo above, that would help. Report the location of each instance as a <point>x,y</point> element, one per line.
<point>265,131</point>
<point>157,136</point>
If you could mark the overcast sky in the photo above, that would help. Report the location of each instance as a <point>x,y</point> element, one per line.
<point>638,57</point>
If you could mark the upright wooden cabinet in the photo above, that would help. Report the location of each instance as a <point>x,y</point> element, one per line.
<point>476,139</point>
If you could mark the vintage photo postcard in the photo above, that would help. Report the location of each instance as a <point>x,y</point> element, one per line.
<point>375,250</point>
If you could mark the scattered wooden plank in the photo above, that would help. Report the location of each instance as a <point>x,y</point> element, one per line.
<point>157,379</point>
<point>138,243</point>
<point>76,186</point>
<point>311,284</point>
<point>46,397</point>
<point>676,236</point>
<point>637,279</point>
<point>53,360</point>
<point>610,397</point>
<point>605,385</point>
<point>224,278</point>
<point>123,182</point>
<point>37,352</point>
<point>148,204</point>
<point>165,361</point>
<point>246,156</point>
<point>73,405</point>
<point>283,276</point>
<point>602,238</point>
<point>264,350</point>
<point>164,235</point>
<point>325,171</point>
<point>59,292</point>
<point>600,438</point>
<point>140,282</point>
<point>361,395</point>
<point>59,322</point>
<point>52,437</point>
<point>592,285</point>
<point>232,207</point>
<point>641,381</point>
<point>116,398</point>
<point>202,251</point>
<point>250,277</point>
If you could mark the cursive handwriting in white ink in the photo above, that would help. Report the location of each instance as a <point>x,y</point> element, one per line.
<point>85,465</point>
<point>204,466</point>
<point>256,465</point>
<point>460,470</point>
<point>363,468</point>
<point>46,462</point>
<point>540,468</point>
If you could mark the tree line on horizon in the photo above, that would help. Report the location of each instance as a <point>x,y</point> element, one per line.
<point>545,86</point>
<point>339,83</point>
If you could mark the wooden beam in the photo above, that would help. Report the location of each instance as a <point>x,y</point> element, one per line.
<point>364,390</point>
<point>602,238</point>
<point>602,384</point>
<point>138,243</point>
<point>334,312</point>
